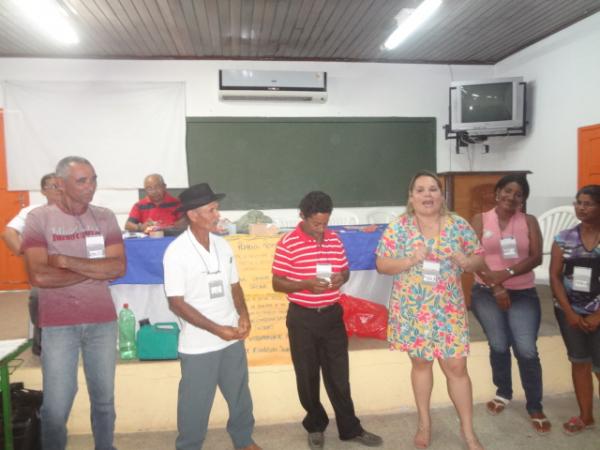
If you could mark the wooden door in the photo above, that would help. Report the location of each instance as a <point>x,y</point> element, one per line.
<point>470,193</point>
<point>13,275</point>
<point>589,155</point>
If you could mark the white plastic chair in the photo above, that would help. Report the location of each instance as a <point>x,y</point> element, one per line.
<point>377,217</point>
<point>343,219</point>
<point>551,222</point>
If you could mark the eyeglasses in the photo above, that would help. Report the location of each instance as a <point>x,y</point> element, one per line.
<point>154,188</point>
<point>585,205</point>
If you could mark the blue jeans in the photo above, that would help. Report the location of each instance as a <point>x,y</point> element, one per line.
<point>581,347</point>
<point>517,328</point>
<point>60,360</point>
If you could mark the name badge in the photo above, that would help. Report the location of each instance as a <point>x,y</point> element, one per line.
<point>582,278</point>
<point>509,248</point>
<point>431,272</point>
<point>216,289</point>
<point>94,246</point>
<point>324,271</point>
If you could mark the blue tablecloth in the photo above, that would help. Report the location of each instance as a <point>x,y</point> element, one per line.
<point>144,256</point>
<point>360,246</point>
<point>144,260</point>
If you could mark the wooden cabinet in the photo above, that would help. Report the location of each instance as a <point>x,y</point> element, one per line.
<point>469,193</point>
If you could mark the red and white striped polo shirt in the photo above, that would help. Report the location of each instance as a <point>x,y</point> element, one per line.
<point>296,258</point>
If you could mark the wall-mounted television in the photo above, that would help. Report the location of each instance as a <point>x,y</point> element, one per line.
<point>487,107</point>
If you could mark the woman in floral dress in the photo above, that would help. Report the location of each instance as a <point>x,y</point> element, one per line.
<point>427,249</point>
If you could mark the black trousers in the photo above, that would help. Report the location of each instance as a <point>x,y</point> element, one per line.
<point>318,342</point>
<point>36,348</point>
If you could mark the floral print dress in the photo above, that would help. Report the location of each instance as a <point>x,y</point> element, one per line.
<point>428,321</point>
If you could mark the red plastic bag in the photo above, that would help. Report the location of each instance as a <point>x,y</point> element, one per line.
<point>364,318</point>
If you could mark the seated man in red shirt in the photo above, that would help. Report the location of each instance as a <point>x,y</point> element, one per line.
<point>155,211</point>
<point>310,266</point>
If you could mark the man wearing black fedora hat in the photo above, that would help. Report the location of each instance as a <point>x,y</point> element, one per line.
<point>203,288</point>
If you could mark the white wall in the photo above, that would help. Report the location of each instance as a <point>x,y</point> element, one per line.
<point>562,71</point>
<point>355,89</point>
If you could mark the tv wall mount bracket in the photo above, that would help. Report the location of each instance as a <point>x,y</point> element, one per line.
<point>464,139</point>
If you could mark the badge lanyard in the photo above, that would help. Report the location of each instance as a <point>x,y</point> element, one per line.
<point>582,276</point>
<point>508,244</point>
<point>94,245</point>
<point>216,289</point>
<point>323,270</point>
<point>431,268</point>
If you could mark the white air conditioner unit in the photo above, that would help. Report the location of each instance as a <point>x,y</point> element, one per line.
<point>272,85</point>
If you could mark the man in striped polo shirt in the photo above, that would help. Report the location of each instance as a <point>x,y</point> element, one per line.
<point>157,210</point>
<point>310,266</point>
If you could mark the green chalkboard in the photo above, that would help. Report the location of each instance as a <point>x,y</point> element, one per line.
<point>264,163</point>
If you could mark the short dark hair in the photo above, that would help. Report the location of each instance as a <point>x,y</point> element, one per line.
<point>46,178</point>
<point>593,190</point>
<point>514,178</point>
<point>315,202</point>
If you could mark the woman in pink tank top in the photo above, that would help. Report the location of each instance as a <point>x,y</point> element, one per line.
<point>504,299</point>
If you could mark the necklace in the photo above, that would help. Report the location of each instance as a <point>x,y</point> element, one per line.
<point>436,238</point>
<point>595,242</point>
<point>438,227</point>
<point>202,258</point>
<point>84,229</point>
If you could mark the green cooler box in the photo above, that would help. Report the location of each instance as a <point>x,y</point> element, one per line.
<point>158,341</point>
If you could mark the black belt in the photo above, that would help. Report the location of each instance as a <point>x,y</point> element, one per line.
<point>318,309</point>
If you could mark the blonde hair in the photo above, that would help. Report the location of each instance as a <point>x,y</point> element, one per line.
<point>410,209</point>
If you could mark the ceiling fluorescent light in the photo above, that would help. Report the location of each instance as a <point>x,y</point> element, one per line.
<point>50,18</point>
<point>423,12</point>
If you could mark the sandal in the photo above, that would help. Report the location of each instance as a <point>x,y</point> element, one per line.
<point>496,405</point>
<point>575,426</point>
<point>541,424</point>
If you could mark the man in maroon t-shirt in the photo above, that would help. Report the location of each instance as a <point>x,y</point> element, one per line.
<point>310,266</point>
<point>72,249</point>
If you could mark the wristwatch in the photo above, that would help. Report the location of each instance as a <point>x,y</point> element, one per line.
<point>510,271</point>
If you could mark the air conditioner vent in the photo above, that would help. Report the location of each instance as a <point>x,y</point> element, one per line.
<point>279,86</point>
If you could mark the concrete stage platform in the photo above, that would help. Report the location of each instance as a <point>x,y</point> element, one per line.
<point>146,392</point>
<point>510,430</point>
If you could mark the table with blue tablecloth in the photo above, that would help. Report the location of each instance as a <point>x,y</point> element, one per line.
<point>142,289</point>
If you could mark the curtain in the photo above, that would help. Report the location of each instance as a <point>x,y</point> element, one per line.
<point>126,129</point>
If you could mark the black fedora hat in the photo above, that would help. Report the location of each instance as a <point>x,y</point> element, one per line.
<point>196,196</point>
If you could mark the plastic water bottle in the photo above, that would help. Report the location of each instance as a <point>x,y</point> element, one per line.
<point>127,348</point>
